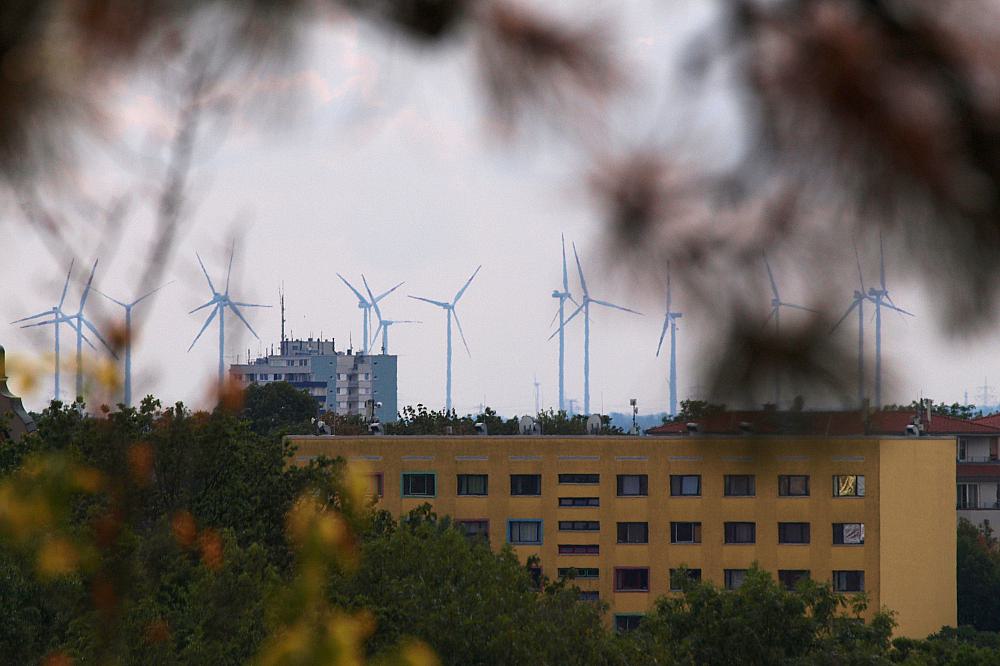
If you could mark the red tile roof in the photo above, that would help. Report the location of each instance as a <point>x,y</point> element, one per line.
<point>832,424</point>
<point>991,420</point>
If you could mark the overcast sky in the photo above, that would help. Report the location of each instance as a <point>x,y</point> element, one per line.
<point>386,167</point>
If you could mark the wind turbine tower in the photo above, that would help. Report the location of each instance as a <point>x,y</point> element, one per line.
<point>127,397</point>
<point>858,301</point>
<point>880,297</point>
<point>219,303</point>
<point>366,305</point>
<point>670,320</point>
<point>776,305</point>
<point>58,317</point>
<point>450,309</point>
<point>563,296</point>
<point>584,307</point>
<point>383,324</point>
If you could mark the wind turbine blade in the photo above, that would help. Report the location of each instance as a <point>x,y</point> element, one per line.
<point>45,323</point>
<point>850,309</point>
<point>202,307</point>
<point>461,333</point>
<point>372,300</point>
<point>97,334</point>
<point>386,293</point>
<point>381,324</point>
<point>236,311</point>
<point>229,271</point>
<point>466,285</point>
<point>568,319</point>
<point>565,271</point>
<point>45,313</point>
<point>202,264</point>
<point>66,284</point>
<point>208,321</point>
<point>572,300</point>
<point>861,277</point>
<point>774,310</point>
<point>249,305</point>
<point>144,297</point>
<point>900,310</point>
<point>579,268</point>
<point>798,307</point>
<point>406,321</point>
<point>440,304</point>
<point>113,300</point>
<point>554,317</point>
<point>86,289</point>
<point>612,305</point>
<point>668,291</point>
<point>770,276</point>
<point>663,333</point>
<point>350,286</point>
<point>881,260</point>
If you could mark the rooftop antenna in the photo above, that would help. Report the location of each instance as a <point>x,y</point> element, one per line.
<point>281,299</point>
<point>127,393</point>
<point>452,314</point>
<point>880,297</point>
<point>670,320</point>
<point>776,305</point>
<point>538,407</point>
<point>563,296</point>
<point>985,393</point>
<point>858,301</point>
<point>584,307</point>
<point>383,324</point>
<point>58,317</point>
<point>78,323</point>
<point>219,303</point>
<point>366,306</point>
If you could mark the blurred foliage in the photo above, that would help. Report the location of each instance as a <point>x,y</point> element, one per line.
<point>978,577</point>
<point>422,421</point>
<point>278,405</point>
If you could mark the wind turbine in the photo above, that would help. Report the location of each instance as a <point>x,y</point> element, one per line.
<point>58,317</point>
<point>127,397</point>
<point>584,307</point>
<point>383,324</point>
<point>858,301</point>
<point>366,307</point>
<point>219,303</point>
<point>776,305</point>
<point>450,309</point>
<point>563,296</point>
<point>880,297</point>
<point>670,320</point>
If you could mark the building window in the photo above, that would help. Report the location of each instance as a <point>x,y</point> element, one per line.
<point>580,479</point>
<point>264,376</point>
<point>793,485</point>
<point>685,532</point>
<point>848,533</point>
<point>590,595</point>
<point>278,376</point>
<point>686,485</point>
<point>741,533</point>
<point>525,484</point>
<point>968,496</point>
<point>341,391</point>
<point>963,448</point>
<point>472,484</point>
<point>579,549</point>
<point>633,485</point>
<point>524,532</point>
<point>633,532</point>
<point>375,485</point>
<point>579,526</point>
<point>250,377</point>
<point>677,578</point>
<point>419,484</point>
<point>735,578</point>
<point>848,581</point>
<point>632,580</point>
<point>740,485</point>
<point>579,501</point>
<point>579,572</point>
<point>849,485</point>
<point>790,578</point>
<point>342,405</point>
<point>627,622</point>
<point>475,530</point>
<point>793,532</point>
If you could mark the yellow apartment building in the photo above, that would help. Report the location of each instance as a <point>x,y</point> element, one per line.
<point>871,514</point>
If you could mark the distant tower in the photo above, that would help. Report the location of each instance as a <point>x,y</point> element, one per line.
<point>281,299</point>
<point>538,407</point>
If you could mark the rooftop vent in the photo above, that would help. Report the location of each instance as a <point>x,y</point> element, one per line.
<point>745,427</point>
<point>481,428</point>
<point>692,427</point>
<point>529,426</point>
<point>376,428</point>
<point>594,424</point>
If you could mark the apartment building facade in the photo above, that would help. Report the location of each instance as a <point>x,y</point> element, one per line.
<point>341,382</point>
<point>869,514</point>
